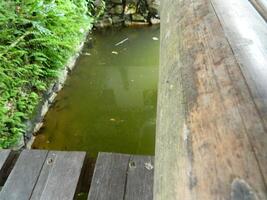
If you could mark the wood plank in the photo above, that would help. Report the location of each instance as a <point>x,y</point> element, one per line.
<point>140,178</point>
<point>42,180</point>
<point>109,178</point>
<point>249,43</point>
<point>122,177</point>
<point>23,177</point>
<point>261,6</point>
<point>60,176</point>
<point>211,137</point>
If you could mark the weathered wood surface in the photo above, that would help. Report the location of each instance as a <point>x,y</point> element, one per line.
<point>140,177</point>
<point>24,176</point>
<point>261,6</point>
<point>60,176</point>
<point>109,177</point>
<point>249,43</point>
<point>122,177</point>
<point>211,126</point>
<point>44,175</point>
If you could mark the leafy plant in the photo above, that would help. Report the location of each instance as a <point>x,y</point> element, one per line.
<point>37,37</point>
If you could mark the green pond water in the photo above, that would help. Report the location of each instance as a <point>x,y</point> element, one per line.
<point>109,101</point>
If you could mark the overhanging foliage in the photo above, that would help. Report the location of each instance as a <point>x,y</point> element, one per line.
<point>37,37</point>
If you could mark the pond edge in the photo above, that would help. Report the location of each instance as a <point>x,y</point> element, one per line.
<point>35,123</point>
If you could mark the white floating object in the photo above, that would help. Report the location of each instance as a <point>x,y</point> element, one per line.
<point>87,54</point>
<point>155,38</point>
<point>121,42</point>
<point>115,52</point>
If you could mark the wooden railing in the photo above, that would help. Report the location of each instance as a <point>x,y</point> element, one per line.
<point>261,6</point>
<point>211,140</point>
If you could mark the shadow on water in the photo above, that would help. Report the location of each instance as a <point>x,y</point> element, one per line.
<point>109,103</point>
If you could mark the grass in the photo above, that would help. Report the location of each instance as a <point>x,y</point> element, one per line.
<point>37,37</point>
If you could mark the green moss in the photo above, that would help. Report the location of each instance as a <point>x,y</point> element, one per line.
<point>37,37</point>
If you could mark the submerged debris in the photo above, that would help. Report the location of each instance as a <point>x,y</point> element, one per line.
<point>115,52</point>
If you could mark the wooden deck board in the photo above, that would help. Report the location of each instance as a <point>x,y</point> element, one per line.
<point>46,175</point>
<point>140,178</point>
<point>23,177</point>
<point>39,187</point>
<point>109,177</point>
<point>122,177</point>
<point>63,176</point>
<point>43,175</point>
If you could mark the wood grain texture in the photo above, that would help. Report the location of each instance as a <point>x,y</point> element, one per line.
<point>211,127</point>
<point>63,176</point>
<point>42,179</point>
<point>23,177</point>
<point>140,178</point>
<point>109,177</point>
<point>122,177</point>
<point>261,7</point>
<point>248,40</point>
<point>43,175</point>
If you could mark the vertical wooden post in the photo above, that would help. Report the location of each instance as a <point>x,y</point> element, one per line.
<point>211,140</point>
